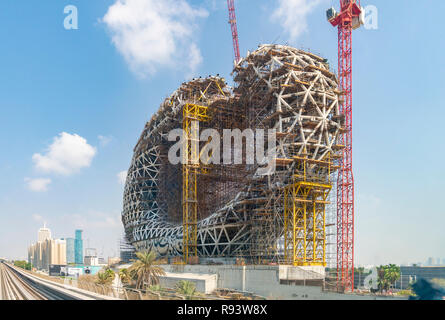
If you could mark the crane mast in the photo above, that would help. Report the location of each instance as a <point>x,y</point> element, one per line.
<point>350,17</point>
<point>232,21</point>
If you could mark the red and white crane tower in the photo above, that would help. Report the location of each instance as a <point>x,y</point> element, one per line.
<point>350,17</point>
<point>232,21</point>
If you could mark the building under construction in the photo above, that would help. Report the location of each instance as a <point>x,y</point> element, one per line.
<point>207,209</point>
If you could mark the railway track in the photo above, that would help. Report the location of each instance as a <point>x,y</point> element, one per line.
<point>13,287</point>
<point>16,284</point>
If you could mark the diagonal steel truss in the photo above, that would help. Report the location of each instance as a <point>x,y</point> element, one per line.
<point>240,213</point>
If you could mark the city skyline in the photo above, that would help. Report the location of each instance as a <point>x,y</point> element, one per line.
<point>44,233</point>
<point>76,241</point>
<point>87,93</point>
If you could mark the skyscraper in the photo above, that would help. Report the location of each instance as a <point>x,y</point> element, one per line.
<point>430,262</point>
<point>78,247</point>
<point>70,251</point>
<point>47,251</point>
<point>44,234</point>
<point>127,251</point>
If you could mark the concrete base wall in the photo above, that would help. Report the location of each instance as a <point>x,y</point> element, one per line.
<point>205,283</point>
<point>301,273</point>
<point>263,281</point>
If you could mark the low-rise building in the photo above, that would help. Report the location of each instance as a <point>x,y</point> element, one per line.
<point>113,260</point>
<point>91,260</point>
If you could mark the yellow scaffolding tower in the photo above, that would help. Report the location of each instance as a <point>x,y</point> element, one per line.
<point>192,115</point>
<point>305,201</point>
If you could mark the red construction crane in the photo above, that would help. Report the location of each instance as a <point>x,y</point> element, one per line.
<point>350,17</point>
<point>232,21</point>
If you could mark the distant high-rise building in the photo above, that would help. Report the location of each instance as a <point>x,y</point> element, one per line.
<point>58,252</point>
<point>430,262</point>
<point>44,234</point>
<point>78,247</point>
<point>127,251</point>
<point>70,250</point>
<point>45,253</point>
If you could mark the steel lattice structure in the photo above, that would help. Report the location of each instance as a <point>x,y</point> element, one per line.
<point>241,213</point>
<point>192,115</point>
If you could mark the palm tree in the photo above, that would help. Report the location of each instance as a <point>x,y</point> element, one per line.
<point>145,271</point>
<point>105,277</point>
<point>110,273</point>
<point>387,276</point>
<point>124,275</point>
<point>186,288</point>
<point>393,273</point>
<point>382,279</point>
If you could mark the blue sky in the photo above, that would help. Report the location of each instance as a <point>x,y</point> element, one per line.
<point>82,83</point>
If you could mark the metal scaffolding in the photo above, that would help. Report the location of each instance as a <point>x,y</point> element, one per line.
<point>193,114</point>
<point>305,201</point>
<point>216,210</point>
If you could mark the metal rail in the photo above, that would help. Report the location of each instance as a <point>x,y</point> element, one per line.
<point>14,287</point>
<point>17,284</point>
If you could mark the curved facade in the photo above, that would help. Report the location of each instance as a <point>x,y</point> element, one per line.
<point>240,212</point>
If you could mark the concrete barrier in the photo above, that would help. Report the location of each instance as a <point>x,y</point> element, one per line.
<point>265,281</point>
<point>205,283</point>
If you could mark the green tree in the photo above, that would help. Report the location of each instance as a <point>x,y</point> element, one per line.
<point>387,276</point>
<point>156,287</point>
<point>382,281</point>
<point>124,275</point>
<point>23,264</point>
<point>145,271</point>
<point>186,288</point>
<point>110,273</point>
<point>105,277</point>
<point>392,273</point>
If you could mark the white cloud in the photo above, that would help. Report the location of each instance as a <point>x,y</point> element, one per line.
<point>215,5</point>
<point>37,217</point>
<point>93,219</point>
<point>369,201</point>
<point>292,15</point>
<point>66,155</point>
<point>194,59</point>
<point>37,185</point>
<point>104,140</point>
<point>122,177</point>
<point>151,34</point>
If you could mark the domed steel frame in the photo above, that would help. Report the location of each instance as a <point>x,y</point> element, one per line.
<point>278,87</point>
